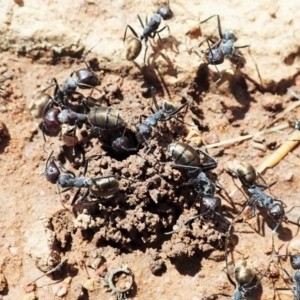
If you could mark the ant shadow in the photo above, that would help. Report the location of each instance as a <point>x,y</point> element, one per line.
<point>4,141</point>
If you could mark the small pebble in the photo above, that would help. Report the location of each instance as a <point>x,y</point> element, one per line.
<point>60,289</point>
<point>13,250</point>
<point>90,285</point>
<point>30,296</point>
<point>29,288</point>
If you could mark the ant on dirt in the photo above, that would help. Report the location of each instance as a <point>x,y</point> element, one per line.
<point>244,275</point>
<point>223,48</point>
<point>295,263</point>
<point>248,175</point>
<point>84,78</point>
<point>100,187</point>
<point>99,119</point>
<point>188,157</point>
<point>150,30</point>
<point>167,112</point>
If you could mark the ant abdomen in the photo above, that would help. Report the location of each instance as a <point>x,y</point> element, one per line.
<point>105,118</point>
<point>184,154</point>
<point>246,172</point>
<point>104,187</point>
<point>244,272</point>
<point>133,48</point>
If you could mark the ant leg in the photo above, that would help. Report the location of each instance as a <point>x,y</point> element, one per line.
<point>142,21</point>
<point>48,106</point>
<point>273,235</point>
<point>153,94</point>
<point>146,49</point>
<point>266,185</point>
<point>208,19</point>
<point>219,24</point>
<point>194,168</point>
<point>85,62</point>
<point>66,170</point>
<point>219,27</point>
<point>175,112</point>
<point>223,218</point>
<point>133,32</point>
<point>240,47</point>
<point>87,163</point>
<point>50,271</point>
<point>158,31</point>
<point>44,136</point>
<point>84,196</point>
<point>209,165</point>
<point>214,44</point>
<point>226,254</point>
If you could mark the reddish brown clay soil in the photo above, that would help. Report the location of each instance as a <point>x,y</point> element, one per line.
<point>39,226</point>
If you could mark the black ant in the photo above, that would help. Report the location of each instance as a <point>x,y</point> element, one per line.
<point>224,48</point>
<point>166,113</point>
<point>295,263</point>
<point>248,175</point>
<point>101,187</point>
<point>150,30</point>
<point>188,157</point>
<point>84,78</point>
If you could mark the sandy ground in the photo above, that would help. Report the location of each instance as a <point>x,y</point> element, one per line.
<point>39,227</point>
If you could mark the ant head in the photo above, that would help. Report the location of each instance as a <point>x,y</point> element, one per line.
<point>210,204</point>
<point>215,56</point>
<point>86,78</point>
<point>52,172</point>
<point>51,122</point>
<point>229,35</point>
<point>276,212</point>
<point>295,261</point>
<point>165,12</point>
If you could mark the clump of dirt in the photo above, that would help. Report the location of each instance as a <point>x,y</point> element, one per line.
<point>149,202</point>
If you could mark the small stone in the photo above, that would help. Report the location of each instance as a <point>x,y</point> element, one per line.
<point>28,288</point>
<point>13,250</point>
<point>60,289</point>
<point>194,136</point>
<point>68,280</point>
<point>30,296</point>
<point>90,285</point>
